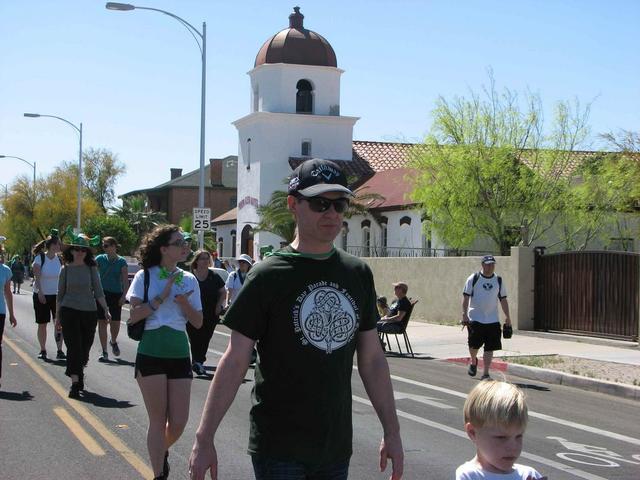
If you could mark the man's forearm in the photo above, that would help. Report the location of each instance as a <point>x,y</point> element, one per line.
<point>377,383</point>
<point>505,307</point>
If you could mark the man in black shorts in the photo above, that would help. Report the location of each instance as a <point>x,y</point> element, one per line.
<point>482,292</point>
<point>310,308</point>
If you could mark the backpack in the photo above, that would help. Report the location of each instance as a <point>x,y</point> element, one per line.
<point>476,277</point>
<point>42,259</point>
<point>136,330</point>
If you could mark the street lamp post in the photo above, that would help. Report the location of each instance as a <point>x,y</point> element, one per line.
<point>79,130</point>
<point>32,165</point>
<point>202,45</point>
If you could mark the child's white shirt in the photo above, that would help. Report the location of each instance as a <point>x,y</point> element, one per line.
<point>472,471</point>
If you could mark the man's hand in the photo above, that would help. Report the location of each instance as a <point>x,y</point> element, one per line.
<point>465,319</point>
<point>391,447</point>
<point>203,457</point>
<point>507,321</point>
<point>41,298</point>
<point>13,321</point>
<point>123,300</point>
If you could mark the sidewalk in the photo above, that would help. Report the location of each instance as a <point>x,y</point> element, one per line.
<point>450,343</point>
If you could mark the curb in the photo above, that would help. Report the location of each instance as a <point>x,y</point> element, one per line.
<point>559,378</point>
<point>577,381</point>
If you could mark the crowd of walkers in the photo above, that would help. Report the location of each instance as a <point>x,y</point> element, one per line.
<point>308,309</point>
<point>79,292</point>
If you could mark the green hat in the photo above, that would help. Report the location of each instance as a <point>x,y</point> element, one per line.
<point>80,240</point>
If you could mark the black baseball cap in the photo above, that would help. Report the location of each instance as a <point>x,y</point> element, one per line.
<point>316,176</point>
<point>488,259</point>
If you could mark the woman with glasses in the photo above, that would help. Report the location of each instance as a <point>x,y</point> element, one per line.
<point>170,300</point>
<point>79,289</point>
<point>212,294</point>
<point>115,282</point>
<point>46,270</point>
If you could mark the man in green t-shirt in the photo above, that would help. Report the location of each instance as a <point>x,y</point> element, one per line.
<point>309,308</point>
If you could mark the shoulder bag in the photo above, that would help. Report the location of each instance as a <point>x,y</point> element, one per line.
<point>136,330</point>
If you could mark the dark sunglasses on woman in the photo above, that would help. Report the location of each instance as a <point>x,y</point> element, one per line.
<point>322,204</point>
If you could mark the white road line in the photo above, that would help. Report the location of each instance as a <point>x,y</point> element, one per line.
<point>459,433</point>
<point>540,416</point>
<point>422,399</point>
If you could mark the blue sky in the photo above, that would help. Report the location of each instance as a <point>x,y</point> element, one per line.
<point>133,78</point>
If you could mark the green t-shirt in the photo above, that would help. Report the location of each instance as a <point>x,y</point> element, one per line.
<point>111,272</point>
<point>305,314</point>
<point>164,342</point>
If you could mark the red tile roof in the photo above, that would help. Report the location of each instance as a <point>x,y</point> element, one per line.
<point>382,155</point>
<point>393,185</point>
<point>227,217</point>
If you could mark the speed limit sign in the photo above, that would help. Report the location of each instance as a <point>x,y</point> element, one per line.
<point>202,219</point>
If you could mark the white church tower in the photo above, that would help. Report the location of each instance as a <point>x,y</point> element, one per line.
<point>295,113</point>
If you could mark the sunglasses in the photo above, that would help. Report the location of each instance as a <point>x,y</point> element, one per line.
<point>107,245</point>
<point>322,204</point>
<point>78,249</point>
<point>181,242</point>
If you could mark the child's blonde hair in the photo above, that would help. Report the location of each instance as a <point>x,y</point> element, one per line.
<point>495,404</point>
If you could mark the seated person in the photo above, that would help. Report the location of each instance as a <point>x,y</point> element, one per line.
<point>393,321</point>
<point>383,307</point>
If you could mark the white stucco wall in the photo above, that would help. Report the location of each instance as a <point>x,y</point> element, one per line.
<point>276,83</point>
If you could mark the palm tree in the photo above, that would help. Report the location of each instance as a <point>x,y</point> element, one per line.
<point>276,218</point>
<point>186,224</point>
<point>136,213</point>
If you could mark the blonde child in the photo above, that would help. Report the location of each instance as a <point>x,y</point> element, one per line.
<point>495,418</point>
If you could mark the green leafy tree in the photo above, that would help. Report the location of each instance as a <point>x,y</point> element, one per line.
<point>57,203</point>
<point>489,168</point>
<point>116,227</point>
<point>17,222</point>
<point>100,173</point>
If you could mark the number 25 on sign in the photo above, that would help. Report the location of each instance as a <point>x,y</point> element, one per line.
<point>202,219</point>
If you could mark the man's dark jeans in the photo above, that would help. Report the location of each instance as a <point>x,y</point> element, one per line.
<point>268,469</point>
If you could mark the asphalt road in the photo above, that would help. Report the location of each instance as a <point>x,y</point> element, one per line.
<point>572,434</point>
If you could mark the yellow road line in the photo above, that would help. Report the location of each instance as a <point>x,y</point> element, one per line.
<point>118,445</point>
<point>85,439</point>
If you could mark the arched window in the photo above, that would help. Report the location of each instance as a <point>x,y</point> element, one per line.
<point>220,248</point>
<point>405,220</point>
<point>246,240</point>
<point>383,234</point>
<point>304,97</point>
<point>366,238</point>
<point>344,235</point>
<point>305,148</point>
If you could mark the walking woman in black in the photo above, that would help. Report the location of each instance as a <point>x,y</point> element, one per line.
<point>212,294</point>
<point>79,289</point>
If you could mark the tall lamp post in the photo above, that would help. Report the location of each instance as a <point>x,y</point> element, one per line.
<point>79,130</point>
<point>32,165</point>
<point>202,45</point>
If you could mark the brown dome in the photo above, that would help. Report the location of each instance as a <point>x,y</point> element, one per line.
<point>297,45</point>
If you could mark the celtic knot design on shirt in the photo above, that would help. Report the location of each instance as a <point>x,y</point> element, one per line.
<point>328,320</point>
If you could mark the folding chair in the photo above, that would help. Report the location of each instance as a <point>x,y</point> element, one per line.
<point>384,336</point>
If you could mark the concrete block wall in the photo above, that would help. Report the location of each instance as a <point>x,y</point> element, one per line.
<point>438,283</point>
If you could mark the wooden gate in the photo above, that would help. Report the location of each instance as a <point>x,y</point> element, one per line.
<point>593,293</point>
